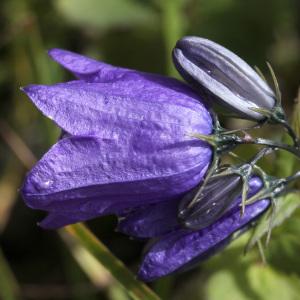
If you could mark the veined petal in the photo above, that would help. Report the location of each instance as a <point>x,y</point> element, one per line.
<point>177,249</point>
<point>104,176</point>
<point>152,220</point>
<point>143,107</point>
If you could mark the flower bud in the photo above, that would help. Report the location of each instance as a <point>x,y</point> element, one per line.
<point>217,196</point>
<point>223,78</point>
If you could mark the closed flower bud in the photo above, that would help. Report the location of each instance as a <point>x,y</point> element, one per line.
<point>217,196</point>
<point>224,78</point>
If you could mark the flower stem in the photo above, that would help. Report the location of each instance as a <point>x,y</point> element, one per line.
<point>136,289</point>
<point>223,143</point>
<point>266,142</point>
<point>173,23</point>
<point>292,134</point>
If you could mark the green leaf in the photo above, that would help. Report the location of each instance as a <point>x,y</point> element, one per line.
<point>135,289</point>
<point>223,285</point>
<point>103,14</point>
<point>270,284</point>
<point>285,207</point>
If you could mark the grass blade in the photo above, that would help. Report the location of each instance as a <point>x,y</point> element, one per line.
<point>136,289</point>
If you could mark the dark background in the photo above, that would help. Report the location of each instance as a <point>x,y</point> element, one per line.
<point>137,35</point>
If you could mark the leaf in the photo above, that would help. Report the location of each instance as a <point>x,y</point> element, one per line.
<point>82,235</point>
<point>95,271</point>
<point>223,285</point>
<point>233,276</point>
<point>285,207</point>
<point>103,14</point>
<point>270,284</point>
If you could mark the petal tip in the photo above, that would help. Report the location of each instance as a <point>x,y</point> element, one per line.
<point>143,275</point>
<point>149,273</point>
<point>30,89</point>
<point>56,53</point>
<point>25,89</point>
<point>75,63</point>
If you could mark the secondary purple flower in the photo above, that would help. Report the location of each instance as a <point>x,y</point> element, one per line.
<point>223,77</point>
<point>127,142</point>
<point>177,248</point>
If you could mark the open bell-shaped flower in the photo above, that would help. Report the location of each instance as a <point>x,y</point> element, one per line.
<point>225,79</point>
<point>125,141</point>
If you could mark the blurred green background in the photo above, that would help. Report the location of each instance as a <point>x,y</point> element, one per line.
<point>38,264</point>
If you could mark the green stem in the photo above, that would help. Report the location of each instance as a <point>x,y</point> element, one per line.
<point>173,23</point>
<point>292,134</point>
<point>223,143</point>
<point>266,142</point>
<point>136,289</point>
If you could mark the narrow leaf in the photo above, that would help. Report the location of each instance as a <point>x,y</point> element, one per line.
<point>136,289</point>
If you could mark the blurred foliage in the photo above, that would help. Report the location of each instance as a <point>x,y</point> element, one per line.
<point>104,15</point>
<point>136,34</point>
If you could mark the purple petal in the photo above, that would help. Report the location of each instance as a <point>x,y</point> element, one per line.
<point>86,68</point>
<point>178,249</point>
<point>158,219</point>
<point>123,108</point>
<point>104,176</point>
<point>152,220</point>
<point>56,220</point>
<point>126,140</point>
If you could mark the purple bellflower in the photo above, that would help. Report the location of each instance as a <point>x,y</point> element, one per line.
<point>127,149</point>
<point>126,142</point>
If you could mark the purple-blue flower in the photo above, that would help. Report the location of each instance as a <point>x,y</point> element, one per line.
<point>128,142</point>
<point>127,149</point>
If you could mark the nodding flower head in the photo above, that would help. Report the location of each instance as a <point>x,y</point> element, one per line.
<point>222,77</point>
<point>126,149</point>
<point>125,141</point>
